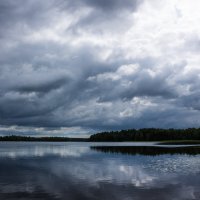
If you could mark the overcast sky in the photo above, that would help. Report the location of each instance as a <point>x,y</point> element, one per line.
<point>75,67</point>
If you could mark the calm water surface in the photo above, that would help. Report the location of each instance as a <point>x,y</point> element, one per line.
<point>98,171</point>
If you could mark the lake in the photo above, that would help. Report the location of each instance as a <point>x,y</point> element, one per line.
<point>98,171</point>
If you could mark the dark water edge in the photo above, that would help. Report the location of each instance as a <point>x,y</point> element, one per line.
<point>77,171</point>
<point>148,150</point>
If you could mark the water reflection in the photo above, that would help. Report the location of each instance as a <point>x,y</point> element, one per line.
<point>87,174</point>
<point>40,149</point>
<point>149,150</point>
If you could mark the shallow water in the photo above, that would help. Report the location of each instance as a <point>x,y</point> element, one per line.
<point>37,170</point>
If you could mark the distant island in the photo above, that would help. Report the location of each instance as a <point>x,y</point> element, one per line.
<point>169,136</point>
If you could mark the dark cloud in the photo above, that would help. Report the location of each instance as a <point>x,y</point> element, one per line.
<point>192,101</point>
<point>102,17</point>
<point>94,65</point>
<point>125,84</point>
<point>42,87</point>
<point>112,4</point>
<point>18,17</point>
<point>105,6</point>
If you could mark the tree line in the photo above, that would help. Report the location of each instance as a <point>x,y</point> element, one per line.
<point>40,139</point>
<point>147,134</point>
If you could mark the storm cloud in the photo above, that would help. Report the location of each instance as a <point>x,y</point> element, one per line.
<point>77,67</point>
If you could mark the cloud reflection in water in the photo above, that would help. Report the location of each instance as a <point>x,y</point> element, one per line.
<point>50,173</point>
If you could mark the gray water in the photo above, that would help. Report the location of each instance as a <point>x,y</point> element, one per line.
<point>36,170</point>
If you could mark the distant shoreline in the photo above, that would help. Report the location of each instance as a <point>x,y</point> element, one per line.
<point>192,142</point>
<point>16,138</point>
<point>160,136</point>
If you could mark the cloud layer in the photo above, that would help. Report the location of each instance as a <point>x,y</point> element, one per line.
<point>70,67</point>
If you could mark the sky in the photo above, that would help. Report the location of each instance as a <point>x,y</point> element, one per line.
<point>73,68</point>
